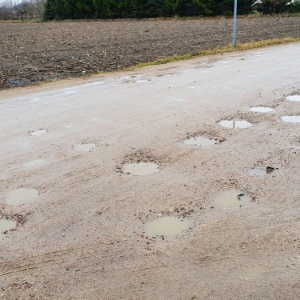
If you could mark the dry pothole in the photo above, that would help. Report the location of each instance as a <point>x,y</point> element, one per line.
<point>200,141</point>
<point>232,198</point>
<point>21,195</point>
<point>294,98</point>
<point>36,163</point>
<point>235,124</point>
<point>262,109</point>
<point>38,132</point>
<point>290,119</point>
<point>84,147</point>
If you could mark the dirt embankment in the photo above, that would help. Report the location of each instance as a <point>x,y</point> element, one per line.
<point>34,52</point>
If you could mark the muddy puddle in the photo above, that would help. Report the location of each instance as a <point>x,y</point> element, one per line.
<point>294,98</point>
<point>36,163</point>
<point>21,195</point>
<point>231,198</point>
<point>142,168</point>
<point>85,147</point>
<point>262,109</point>
<point>235,124</point>
<point>167,226</point>
<point>200,141</point>
<point>6,225</point>
<point>290,119</point>
<point>38,132</point>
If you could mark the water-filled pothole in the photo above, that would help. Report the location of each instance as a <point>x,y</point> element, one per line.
<point>231,198</point>
<point>200,141</point>
<point>167,226</point>
<point>6,224</point>
<point>141,168</point>
<point>36,163</point>
<point>85,147</point>
<point>21,195</point>
<point>38,132</point>
<point>290,119</point>
<point>294,98</point>
<point>235,124</point>
<point>261,109</point>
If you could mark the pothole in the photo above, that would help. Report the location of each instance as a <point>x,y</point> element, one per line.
<point>6,225</point>
<point>141,168</point>
<point>290,119</point>
<point>167,226</point>
<point>235,124</point>
<point>262,109</point>
<point>38,132</point>
<point>231,198</point>
<point>21,195</point>
<point>85,147</point>
<point>36,163</point>
<point>257,172</point>
<point>200,141</point>
<point>294,98</point>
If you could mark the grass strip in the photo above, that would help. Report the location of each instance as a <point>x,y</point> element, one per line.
<point>226,49</point>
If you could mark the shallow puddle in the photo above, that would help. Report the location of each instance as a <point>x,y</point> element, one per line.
<point>69,126</point>
<point>261,109</point>
<point>235,124</point>
<point>200,141</point>
<point>142,168</point>
<point>291,119</point>
<point>293,98</point>
<point>36,163</point>
<point>167,226</point>
<point>231,198</point>
<point>21,195</point>
<point>38,132</point>
<point>85,147</point>
<point>6,225</point>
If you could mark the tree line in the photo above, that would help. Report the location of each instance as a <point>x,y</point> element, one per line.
<point>110,9</point>
<point>29,9</point>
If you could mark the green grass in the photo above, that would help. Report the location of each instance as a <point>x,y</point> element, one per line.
<point>226,49</point>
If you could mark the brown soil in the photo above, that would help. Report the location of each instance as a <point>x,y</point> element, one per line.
<point>33,52</point>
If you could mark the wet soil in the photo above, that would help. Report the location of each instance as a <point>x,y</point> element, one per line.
<point>37,52</point>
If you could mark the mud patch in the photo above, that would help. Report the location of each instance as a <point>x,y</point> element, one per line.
<point>167,226</point>
<point>85,147</point>
<point>262,109</point>
<point>294,98</point>
<point>38,132</point>
<point>235,124</point>
<point>290,119</point>
<point>21,195</point>
<point>6,225</point>
<point>231,198</point>
<point>200,141</point>
<point>141,168</point>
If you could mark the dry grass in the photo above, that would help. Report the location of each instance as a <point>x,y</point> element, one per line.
<point>226,49</point>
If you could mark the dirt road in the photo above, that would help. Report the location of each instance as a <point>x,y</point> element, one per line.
<point>35,52</point>
<point>85,229</point>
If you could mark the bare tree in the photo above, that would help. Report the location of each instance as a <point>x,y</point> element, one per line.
<point>38,7</point>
